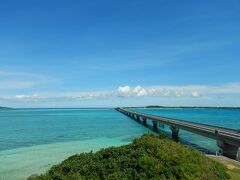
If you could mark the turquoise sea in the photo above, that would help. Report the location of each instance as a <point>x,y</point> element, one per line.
<point>32,140</point>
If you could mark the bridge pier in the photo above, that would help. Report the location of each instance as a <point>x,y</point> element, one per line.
<point>155,124</point>
<point>138,118</point>
<point>175,132</point>
<point>144,121</point>
<point>135,117</point>
<point>228,150</point>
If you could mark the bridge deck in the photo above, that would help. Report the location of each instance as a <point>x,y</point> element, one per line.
<point>232,136</point>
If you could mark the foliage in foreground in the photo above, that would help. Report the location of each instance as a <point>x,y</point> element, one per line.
<point>148,157</point>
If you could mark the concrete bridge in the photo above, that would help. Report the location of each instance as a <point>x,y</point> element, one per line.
<point>227,139</point>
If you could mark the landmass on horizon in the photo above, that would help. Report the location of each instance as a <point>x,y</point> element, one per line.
<point>1,107</point>
<point>185,107</point>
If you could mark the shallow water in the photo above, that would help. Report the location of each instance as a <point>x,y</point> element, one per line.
<point>32,140</point>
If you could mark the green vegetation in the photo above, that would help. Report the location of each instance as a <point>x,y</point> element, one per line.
<point>234,173</point>
<point>148,157</point>
<point>232,166</point>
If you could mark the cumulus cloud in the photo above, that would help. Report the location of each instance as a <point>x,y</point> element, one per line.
<point>124,90</point>
<point>134,91</point>
<point>139,91</point>
<point>194,91</point>
<point>195,94</point>
<point>179,93</point>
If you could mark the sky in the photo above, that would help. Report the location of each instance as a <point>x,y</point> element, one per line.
<point>81,53</point>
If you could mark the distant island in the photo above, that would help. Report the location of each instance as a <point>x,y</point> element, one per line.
<point>189,107</point>
<point>4,107</point>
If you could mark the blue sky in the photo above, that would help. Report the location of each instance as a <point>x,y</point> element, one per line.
<point>73,53</point>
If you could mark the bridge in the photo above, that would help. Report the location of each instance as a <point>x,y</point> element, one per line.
<point>228,140</point>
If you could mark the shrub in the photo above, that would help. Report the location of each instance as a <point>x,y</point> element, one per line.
<point>148,157</point>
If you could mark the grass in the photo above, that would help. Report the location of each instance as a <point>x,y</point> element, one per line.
<point>234,173</point>
<point>232,166</point>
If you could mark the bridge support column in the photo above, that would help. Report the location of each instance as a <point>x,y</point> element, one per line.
<point>175,132</point>
<point>155,124</point>
<point>228,150</point>
<point>137,118</point>
<point>144,121</point>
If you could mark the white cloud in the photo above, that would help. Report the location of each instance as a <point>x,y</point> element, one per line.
<point>195,94</point>
<point>27,98</point>
<point>179,93</point>
<point>20,96</point>
<point>139,91</point>
<point>124,90</point>
<point>188,91</point>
